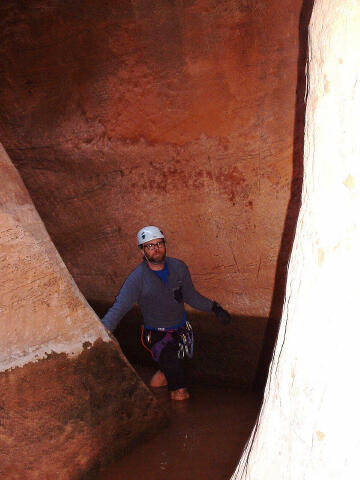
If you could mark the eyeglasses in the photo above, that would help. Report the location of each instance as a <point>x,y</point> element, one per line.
<point>151,246</point>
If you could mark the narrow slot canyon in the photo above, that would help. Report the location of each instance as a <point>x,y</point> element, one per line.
<point>232,125</point>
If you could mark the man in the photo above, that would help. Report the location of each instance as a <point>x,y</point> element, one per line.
<point>161,285</point>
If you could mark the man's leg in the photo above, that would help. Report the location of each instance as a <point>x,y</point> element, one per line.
<point>158,380</point>
<point>148,339</point>
<point>173,369</point>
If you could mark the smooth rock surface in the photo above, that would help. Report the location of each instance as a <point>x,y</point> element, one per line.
<point>69,398</point>
<point>308,425</point>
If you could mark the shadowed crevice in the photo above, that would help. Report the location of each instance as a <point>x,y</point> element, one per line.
<point>293,208</point>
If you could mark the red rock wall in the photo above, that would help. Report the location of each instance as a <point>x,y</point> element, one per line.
<point>180,114</point>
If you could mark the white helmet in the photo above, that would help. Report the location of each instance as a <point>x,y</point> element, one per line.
<point>148,233</point>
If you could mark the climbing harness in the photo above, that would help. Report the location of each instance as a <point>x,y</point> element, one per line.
<point>183,335</point>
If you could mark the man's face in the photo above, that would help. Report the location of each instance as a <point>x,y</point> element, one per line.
<point>155,250</point>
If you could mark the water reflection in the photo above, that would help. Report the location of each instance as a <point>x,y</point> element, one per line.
<point>203,441</point>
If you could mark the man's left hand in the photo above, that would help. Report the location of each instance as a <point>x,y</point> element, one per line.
<point>221,314</point>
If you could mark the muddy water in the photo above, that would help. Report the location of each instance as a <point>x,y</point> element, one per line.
<point>203,441</point>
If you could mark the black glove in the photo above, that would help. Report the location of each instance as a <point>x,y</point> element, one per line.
<point>221,314</point>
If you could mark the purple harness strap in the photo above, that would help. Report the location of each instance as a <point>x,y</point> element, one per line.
<point>158,346</point>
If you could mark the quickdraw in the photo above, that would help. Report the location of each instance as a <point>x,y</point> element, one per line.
<point>148,338</point>
<point>186,341</point>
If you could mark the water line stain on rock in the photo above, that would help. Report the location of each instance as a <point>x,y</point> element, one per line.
<point>71,415</point>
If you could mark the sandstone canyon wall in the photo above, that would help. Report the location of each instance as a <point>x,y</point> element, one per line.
<point>69,399</point>
<point>308,424</point>
<point>123,113</point>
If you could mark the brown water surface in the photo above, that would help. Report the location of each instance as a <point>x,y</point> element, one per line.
<point>204,440</point>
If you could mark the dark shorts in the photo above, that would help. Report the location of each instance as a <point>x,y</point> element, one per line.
<point>167,349</point>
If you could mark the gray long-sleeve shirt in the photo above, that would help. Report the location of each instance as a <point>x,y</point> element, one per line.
<point>159,303</point>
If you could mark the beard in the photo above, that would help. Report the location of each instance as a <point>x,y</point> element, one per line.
<point>157,257</point>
